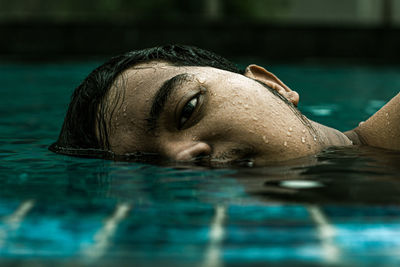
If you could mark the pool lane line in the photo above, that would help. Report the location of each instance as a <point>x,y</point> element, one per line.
<point>13,221</point>
<point>217,233</point>
<point>326,233</point>
<point>105,234</point>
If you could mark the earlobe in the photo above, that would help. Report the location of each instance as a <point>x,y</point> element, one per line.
<point>260,74</point>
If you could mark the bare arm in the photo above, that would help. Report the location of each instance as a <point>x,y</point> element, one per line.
<point>382,129</point>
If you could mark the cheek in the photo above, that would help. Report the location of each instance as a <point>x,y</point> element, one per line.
<point>258,121</point>
<point>247,109</point>
<point>230,123</point>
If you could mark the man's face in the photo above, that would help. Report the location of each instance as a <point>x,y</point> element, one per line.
<point>203,111</point>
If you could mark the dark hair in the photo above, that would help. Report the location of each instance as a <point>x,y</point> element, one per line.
<point>84,131</point>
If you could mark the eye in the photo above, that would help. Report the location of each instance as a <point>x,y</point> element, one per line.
<point>188,110</point>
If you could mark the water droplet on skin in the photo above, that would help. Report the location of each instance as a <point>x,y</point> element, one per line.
<point>290,129</point>
<point>315,138</point>
<point>255,118</point>
<point>304,131</point>
<point>361,123</point>
<point>285,143</point>
<point>387,117</point>
<point>289,134</point>
<point>303,139</point>
<point>265,139</point>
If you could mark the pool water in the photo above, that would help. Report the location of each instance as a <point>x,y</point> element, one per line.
<point>340,208</point>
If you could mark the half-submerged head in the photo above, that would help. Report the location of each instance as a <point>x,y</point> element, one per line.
<point>184,103</point>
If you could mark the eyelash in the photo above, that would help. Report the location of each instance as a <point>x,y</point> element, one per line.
<point>192,104</point>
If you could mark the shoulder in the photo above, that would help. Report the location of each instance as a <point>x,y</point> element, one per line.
<point>382,129</point>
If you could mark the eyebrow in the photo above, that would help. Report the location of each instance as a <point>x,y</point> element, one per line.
<point>161,98</point>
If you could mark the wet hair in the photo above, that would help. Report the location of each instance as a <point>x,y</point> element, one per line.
<point>85,128</point>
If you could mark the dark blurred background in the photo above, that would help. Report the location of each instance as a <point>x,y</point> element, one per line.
<point>283,30</point>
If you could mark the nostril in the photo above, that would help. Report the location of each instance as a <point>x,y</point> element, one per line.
<point>194,151</point>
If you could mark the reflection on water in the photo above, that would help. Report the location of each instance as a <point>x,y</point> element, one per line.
<point>339,208</point>
<point>348,175</point>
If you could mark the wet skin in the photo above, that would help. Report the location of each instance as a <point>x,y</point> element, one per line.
<point>211,113</point>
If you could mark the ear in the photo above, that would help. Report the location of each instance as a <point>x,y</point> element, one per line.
<point>262,75</point>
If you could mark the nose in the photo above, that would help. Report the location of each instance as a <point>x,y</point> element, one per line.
<point>189,151</point>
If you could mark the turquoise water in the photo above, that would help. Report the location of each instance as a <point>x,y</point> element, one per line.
<point>341,209</point>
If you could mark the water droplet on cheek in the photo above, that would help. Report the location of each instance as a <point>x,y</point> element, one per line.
<point>303,139</point>
<point>285,144</point>
<point>304,131</point>
<point>361,123</point>
<point>265,139</point>
<point>290,129</point>
<point>289,134</point>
